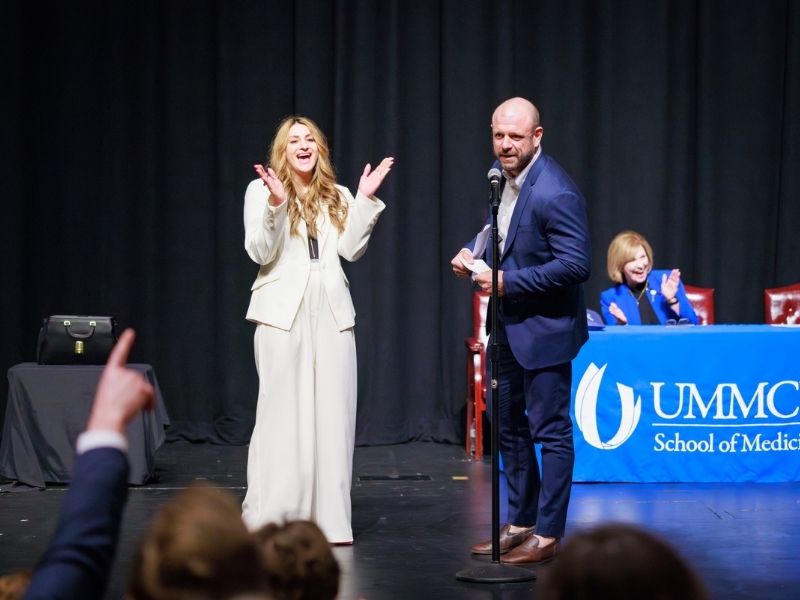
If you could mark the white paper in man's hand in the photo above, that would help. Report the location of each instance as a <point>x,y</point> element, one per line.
<point>476,266</point>
<point>480,242</point>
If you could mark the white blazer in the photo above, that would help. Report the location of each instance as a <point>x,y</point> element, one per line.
<point>285,262</point>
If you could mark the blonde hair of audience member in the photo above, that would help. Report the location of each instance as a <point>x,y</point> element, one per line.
<point>13,585</point>
<point>622,249</point>
<point>197,547</point>
<point>306,204</point>
<point>619,561</point>
<point>298,561</point>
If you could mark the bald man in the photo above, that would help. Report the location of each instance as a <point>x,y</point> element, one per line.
<point>545,256</point>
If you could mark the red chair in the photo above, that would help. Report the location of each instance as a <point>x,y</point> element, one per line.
<point>782,305</point>
<point>702,300</point>
<point>476,369</point>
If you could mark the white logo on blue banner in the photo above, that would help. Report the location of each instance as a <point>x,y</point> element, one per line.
<point>586,400</point>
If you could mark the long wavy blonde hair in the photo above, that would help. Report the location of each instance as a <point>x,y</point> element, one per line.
<point>322,189</point>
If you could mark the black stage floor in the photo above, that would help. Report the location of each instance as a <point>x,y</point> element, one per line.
<point>417,508</point>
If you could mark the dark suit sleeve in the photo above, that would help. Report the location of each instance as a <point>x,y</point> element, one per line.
<point>77,563</point>
<point>566,228</point>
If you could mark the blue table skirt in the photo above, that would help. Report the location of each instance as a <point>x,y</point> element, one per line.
<point>688,404</point>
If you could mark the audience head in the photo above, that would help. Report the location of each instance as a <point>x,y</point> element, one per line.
<point>298,561</point>
<point>619,561</point>
<point>197,547</point>
<point>630,258</point>
<point>13,585</point>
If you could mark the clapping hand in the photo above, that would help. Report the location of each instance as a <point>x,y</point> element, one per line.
<point>371,179</point>
<point>669,285</point>
<point>273,183</point>
<point>616,311</point>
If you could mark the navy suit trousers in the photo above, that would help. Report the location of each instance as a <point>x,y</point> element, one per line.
<point>534,409</point>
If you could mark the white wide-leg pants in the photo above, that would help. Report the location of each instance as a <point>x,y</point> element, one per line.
<point>300,461</point>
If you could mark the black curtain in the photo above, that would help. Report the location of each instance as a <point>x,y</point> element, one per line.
<point>130,128</point>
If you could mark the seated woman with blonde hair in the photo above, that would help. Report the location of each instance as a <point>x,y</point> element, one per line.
<point>641,295</point>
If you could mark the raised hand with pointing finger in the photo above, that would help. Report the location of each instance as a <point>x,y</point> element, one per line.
<point>121,393</point>
<point>77,562</point>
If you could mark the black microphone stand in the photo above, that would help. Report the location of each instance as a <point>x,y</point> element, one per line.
<point>495,572</point>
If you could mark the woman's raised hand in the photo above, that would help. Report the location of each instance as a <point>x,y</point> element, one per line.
<point>274,184</point>
<point>371,179</point>
<point>616,311</point>
<point>669,285</point>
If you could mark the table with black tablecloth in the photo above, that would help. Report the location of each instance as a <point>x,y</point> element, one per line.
<point>48,407</point>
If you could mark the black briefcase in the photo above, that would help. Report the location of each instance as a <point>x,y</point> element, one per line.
<point>76,340</point>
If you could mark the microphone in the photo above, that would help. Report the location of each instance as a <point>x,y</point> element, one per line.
<point>494,176</point>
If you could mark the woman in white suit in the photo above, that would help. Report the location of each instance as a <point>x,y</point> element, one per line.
<point>298,223</point>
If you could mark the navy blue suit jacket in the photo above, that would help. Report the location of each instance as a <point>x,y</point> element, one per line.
<point>77,563</point>
<point>546,258</point>
<point>621,295</point>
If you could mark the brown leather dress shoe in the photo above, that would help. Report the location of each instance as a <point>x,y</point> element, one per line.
<point>507,541</point>
<point>530,552</point>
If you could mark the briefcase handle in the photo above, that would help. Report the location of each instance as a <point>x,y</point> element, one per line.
<point>80,336</point>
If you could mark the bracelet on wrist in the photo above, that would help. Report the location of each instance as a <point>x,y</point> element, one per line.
<point>672,301</point>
